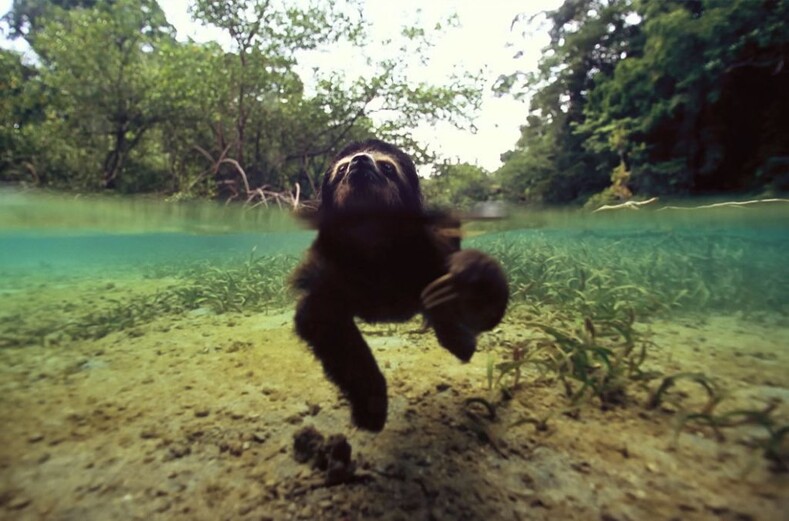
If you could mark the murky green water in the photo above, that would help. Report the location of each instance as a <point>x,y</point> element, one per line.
<point>75,268</point>
<point>142,338</point>
<point>78,234</point>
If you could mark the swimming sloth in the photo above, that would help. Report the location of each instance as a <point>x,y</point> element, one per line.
<point>380,256</point>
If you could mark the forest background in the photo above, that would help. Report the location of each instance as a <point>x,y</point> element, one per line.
<point>631,98</point>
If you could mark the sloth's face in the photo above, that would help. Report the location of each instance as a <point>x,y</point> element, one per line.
<point>376,177</point>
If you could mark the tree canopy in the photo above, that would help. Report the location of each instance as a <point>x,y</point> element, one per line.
<point>630,98</point>
<point>654,97</point>
<point>114,101</point>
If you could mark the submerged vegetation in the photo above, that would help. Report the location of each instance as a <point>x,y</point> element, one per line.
<point>581,299</point>
<point>605,281</point>
<point>610,275</point>
<point>256,284</point>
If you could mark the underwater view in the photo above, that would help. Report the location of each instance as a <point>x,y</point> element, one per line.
<point>349,260</point>
<point>150,370</point>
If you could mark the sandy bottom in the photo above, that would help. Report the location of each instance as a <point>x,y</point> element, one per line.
<point>193,418</point>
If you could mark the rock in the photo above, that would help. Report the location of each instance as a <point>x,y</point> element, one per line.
<point>294,419</point>
<point>163,507</point>
<point>339,466</point>
<point>234,447</point>
<point>307,442</point>
<point>176,451</point>
<point>333,456</point>
<point>35,438</point>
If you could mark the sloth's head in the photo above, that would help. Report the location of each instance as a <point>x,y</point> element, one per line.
<point>369,177</point>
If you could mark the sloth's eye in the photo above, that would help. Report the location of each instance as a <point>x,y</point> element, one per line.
<point>388,168</point>
<point>342,168</point>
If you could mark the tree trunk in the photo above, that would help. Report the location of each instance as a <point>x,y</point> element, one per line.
<point>114,159</point>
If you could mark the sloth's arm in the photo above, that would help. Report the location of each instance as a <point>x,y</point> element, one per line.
<point>346,358</point>
<point>470,298</point>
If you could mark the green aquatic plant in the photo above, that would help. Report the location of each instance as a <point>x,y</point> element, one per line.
<point>611,280</point>
<point>597,274</point>
<point>600,360</point>
<point>513,367</point>
<point>256,284</point>
<point>773,447</point>
<point>259,283</point>
<point>714,392</point>
<point>600,370</point>
<point>481,415</point>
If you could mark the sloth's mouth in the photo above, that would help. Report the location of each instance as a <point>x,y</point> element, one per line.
<point>361,175</point>
<point>366,191</point>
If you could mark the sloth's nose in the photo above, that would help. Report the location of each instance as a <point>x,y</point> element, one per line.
<point>361,159</point>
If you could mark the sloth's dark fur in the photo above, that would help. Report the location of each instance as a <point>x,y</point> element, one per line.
<point>376,251</point>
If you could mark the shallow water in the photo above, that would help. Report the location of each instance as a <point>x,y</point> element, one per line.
<point>86,233</point>
<point>84,267</point>
<point>139,337</point>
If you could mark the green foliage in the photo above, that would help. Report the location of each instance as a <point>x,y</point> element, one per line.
<point>603,277</point>
<point>580,303</point>
<point>598,360</point>
<point>16,109</point>
<point>773,447</point>
<point>714,393</point>
<point>101,99</point>
<point>257,284</point>
<point>528,172</point>
<point>277,28</point>
<point>458,186</point>
<point>686,96</point>
<point>26,17</point>
<point>115,102</point>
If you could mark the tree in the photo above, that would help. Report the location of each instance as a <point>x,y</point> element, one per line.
<point>702,109</point>
<point>16,110</point>
<point>266,35</point>
<point>657,97</point>
<point>103,94</point>
<point>120,104</point>
<point>267,102</point>
<point>528,171</point>
<point>27,17</point>
<point>458,185</point>
<point>588,39</point>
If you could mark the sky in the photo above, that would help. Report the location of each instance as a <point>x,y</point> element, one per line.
<point>479,42</point>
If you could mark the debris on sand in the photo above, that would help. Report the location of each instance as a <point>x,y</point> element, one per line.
<point>332,455</point>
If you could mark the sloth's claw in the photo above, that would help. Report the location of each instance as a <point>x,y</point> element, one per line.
<point>440,291</point>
